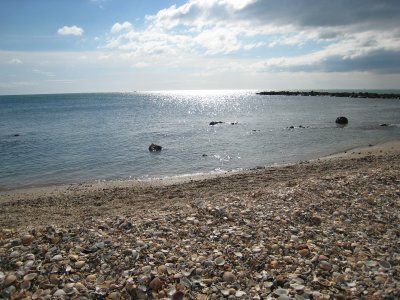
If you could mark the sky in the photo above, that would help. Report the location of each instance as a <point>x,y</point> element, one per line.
<point>61,46</point>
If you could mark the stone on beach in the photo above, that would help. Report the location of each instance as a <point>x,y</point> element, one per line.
<point>229,277</point>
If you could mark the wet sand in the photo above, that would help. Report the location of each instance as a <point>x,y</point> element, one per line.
<point>319,229</point>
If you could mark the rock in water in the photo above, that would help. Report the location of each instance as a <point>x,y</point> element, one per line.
<point>342,120</point>
<point>154,148</point>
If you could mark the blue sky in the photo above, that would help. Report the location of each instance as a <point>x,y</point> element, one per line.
<point>56,46</point>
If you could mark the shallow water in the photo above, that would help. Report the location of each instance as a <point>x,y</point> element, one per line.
<point>71,138</point>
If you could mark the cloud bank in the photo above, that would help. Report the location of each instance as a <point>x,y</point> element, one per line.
<point>341,36</point>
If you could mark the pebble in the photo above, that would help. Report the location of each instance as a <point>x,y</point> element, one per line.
<point>325,265</point>
<point>30,276</point>
<point>219,261</point>
<point>229,277</point>
<point>15,254</point>
<point>79,264</point>
<point>59,293</point>
<point>9,279</point>
<point>304,252</point>
<point>57,257</point>
<point>156,284</point>
<point>27,239</point>
<point>91,278</point>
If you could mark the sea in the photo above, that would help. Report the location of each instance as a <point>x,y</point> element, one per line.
<point>79,138</point>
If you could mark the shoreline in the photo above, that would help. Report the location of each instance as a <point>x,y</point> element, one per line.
<point>51,189</point>
<point>321,229</point>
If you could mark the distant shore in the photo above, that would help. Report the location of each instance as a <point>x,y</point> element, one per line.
<point>326,228</point>
<point>332,94</point>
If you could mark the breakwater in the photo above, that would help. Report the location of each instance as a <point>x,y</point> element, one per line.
<point>332,94</point>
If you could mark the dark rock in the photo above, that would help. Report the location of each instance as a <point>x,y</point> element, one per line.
<point>342,120</point>
<point>212,123</point>
<point>16,134</point>
<point>154,148</point>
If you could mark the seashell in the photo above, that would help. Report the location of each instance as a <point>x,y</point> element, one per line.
<point>196,279</point>
<point>59,293</point>
<point>229,277</point>
<point>385,265</point>
<point>53,278</point>
<point>225,292</point>
<point>178,295</point>
<point>27,239</point>
<point>240,294</point>
<point>25,285</point>
<point>9,279</point>
<point>268,284</point>
<point>324,265</point>
<point>371,263</point>
<point>146,269</point>
<point>202,297</point>
<point>30,276</point>
<point>15,254</point>
<point>68,268</point>
<point>156,284</point>
<point>279,292</point>
<point>79,264</point>
<point>57,257</point>
<point>238,254</point>
<point>256,249</point>
<point>219,261</point>
<point>30,256</point>
<point>135,254</point>
<point>187,273</point>
<point>324,282</point>
<point>91,278</point>
<point>297,287</point>
<point>73,257</point>
<point>304,252</point>
<point>185,282</point>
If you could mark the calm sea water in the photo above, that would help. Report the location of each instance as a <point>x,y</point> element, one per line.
<point>72,138</point>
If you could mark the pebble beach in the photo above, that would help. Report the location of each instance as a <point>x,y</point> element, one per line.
<point>322,229</point>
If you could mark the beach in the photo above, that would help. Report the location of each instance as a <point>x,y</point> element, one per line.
<point>321,229</point>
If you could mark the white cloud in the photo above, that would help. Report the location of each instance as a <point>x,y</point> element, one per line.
<point>43,73</point>
<point>70,30</point>
<point>15,61</point>
<point>117,27</point>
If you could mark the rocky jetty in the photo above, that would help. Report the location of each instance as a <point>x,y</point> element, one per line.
<point>331,94</point>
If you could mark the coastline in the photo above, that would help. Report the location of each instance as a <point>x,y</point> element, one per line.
<point>326,228</point>
<point>53,189</point>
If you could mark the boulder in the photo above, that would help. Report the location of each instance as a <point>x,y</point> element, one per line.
<point>154,148</point>
<point>212,123</point>
<point>342,120</point>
